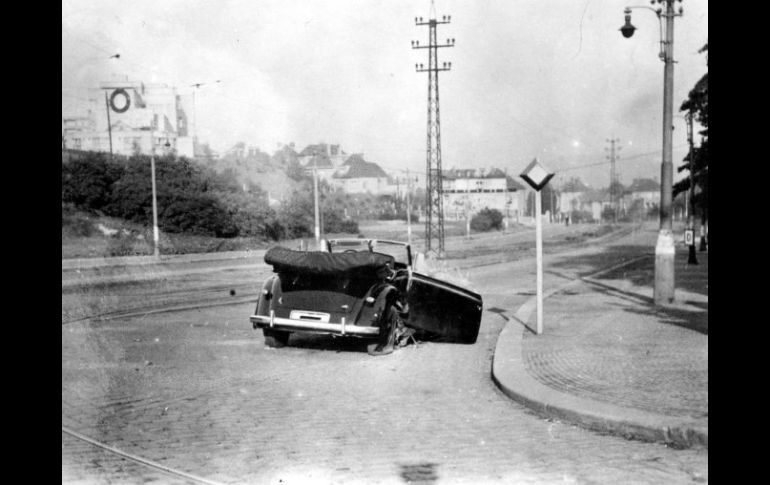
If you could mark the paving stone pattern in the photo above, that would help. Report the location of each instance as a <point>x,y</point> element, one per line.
<point>619,358</point>
<point>197,391</point>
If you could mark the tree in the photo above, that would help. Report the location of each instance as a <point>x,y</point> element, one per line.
<point>487,219</point>
<point>186,202</point>
<point>697,103</point>
<point>87,181</point>
<point>298,212</point>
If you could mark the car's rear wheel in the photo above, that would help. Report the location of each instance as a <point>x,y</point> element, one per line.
<point>275,338</point>
<point>387,338</point>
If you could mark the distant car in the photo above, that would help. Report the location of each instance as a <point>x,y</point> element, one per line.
<point>363,288</point>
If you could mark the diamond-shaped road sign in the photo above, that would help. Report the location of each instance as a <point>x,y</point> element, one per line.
<point>536,175</point>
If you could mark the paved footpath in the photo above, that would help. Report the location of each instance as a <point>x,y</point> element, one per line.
<point>608,359</point>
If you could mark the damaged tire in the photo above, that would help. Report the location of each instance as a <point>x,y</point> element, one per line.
<point>387,338</point>
<point>275,338</point>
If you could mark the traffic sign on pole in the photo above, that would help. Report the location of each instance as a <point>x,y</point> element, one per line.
<point>537,176</point>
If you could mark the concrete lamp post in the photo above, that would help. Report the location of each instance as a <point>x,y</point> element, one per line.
<point>665,248</point>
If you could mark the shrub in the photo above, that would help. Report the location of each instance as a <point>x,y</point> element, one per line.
<point>608,213</point>
<point>333,223</point>
<point>75,224</point>
<point>129,245</point>
<point>576,217</point>
<point>399,215</point>
<point>486,220</point>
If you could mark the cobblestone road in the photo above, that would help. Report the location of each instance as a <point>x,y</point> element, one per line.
<point>197,391</point>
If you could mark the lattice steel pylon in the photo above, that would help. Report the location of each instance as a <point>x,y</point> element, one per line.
<point>614,178</point>
<point>434,207</point>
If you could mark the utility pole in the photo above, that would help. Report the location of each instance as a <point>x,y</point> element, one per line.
<point>194,115</point>
<point>691,258</point>
<point>155,235</point>
<point>703,220</point>
<point>612,157</point>
<point>665,249</point>
<point>109,123</point>
<point>467,205</point>
<point>315,198</point>
<point>434,210</point>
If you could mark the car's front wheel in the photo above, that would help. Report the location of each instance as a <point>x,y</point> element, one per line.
<point>275,338</point>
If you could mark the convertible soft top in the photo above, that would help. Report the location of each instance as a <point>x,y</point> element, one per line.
<point>359,264</point>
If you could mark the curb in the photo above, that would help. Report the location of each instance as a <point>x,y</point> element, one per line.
<point>102,262</point>
<point>510,375</point>
<point>178,308</point>
<point>86,281</point>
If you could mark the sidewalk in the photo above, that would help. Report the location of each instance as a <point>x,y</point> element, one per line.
<point>610,361</point>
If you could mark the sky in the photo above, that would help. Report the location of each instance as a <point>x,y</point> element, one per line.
<point>553,79</point>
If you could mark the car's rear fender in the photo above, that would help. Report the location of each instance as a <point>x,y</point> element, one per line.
<point>376,303</point>
<point>267,295</point>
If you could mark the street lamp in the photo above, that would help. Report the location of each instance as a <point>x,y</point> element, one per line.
<point>155,231</point>
<point>664,249</point>
<point>315,200</point>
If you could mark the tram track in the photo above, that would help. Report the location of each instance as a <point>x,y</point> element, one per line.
<point>138,459</point>
<point>183,298</point>
<point>219,301</point>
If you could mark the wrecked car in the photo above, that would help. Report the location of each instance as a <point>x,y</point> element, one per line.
<point>364,288</point>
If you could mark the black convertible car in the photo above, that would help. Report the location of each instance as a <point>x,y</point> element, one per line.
<point>362,288</point>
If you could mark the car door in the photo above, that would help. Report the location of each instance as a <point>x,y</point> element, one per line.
<point>450,312</point>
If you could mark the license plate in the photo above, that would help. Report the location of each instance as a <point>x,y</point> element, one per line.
<point>309,316</point>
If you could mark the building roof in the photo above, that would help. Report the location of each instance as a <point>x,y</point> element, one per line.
<point>356,167</point>
<point>644,185</point>
<point>475,173</point>
<point>513,184</point>
<point>321,149</point>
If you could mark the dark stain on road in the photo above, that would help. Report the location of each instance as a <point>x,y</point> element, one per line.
<point>499,311</point>
<point>419,473</point>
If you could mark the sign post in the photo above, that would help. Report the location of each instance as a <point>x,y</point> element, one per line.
<point>537,176</point>
<point>408,208</point>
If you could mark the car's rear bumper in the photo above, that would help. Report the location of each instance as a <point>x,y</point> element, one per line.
<point>330,328</point>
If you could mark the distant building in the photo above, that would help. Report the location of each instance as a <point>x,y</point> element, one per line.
<point>646,190</point>
<point>573,196</point>
<point>357,176</point>
<point>468,191</point>
<point>399,181</point>
<point>141,117</point>
<point>324,157</point>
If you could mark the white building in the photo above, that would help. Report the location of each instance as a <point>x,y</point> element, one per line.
<point>357,176</point>
<point>468,191</point>
<point>132,117</point>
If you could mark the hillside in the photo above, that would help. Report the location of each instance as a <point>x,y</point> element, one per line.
<point>253,166</point>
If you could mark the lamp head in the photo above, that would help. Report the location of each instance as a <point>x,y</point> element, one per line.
<point>627,30</point>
